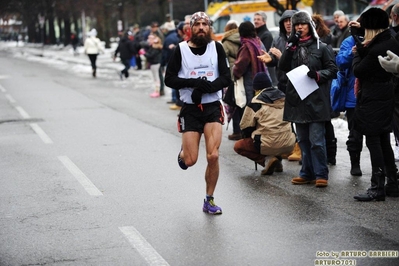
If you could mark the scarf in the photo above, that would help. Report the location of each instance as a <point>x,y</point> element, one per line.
<point>303,50</point>
<point>254,48</point>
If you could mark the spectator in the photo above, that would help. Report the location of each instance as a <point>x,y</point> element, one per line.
<point>322,30</point>
<point>343,22</point>
<point>278,46</point>
<point>171,41</point>
<point>137,39</point>
<point>247,64</point>
<point>231,43</point>
<point>265,133</point>
<point>394,15</point>
<point>311,113</point>
<point>374,108</point>
<point>153,56</point>
<point>331,141</point>
<point>354,144</point>
<point>335,31</point>
<point>266,37</point>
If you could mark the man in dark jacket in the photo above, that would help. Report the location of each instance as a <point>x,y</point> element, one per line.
<point>343,25</point>
<point>278,47</point>
<point>266,37</point>
<point>126,50</point>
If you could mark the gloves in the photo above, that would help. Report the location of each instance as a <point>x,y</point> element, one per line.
<point>313,75</point>
<point>361,50</point>
<point>294,39</point>
<point>196,96</point>
<point>202,85</point>
<point>390,62</point>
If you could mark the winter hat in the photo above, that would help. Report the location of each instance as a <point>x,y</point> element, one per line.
<point>261,81</point>
<point>93,32</point>
<point>304,17</point>
<point>197,16</point>
<point>374,19</point>
<point>180,26</point>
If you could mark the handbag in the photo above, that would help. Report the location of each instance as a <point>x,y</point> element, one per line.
<point>338,92</point>
<point>239,92</point>
<point>228,96</point>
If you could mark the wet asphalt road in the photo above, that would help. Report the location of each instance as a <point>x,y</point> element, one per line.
<point>89,177</point>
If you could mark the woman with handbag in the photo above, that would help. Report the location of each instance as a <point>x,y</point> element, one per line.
<point>247,64</point>
<point>231,43</point>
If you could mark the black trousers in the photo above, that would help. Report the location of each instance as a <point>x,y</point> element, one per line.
<point>126,63</point>
<point>381,153</point>
<point>93,59</point>
<point>355,139</point>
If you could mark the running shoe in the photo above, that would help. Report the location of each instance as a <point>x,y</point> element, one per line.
<point>211,208</point>
<point>181,162</point>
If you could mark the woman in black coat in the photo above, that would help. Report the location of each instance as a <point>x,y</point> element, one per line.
<point>311,113</point>
<point>375,102</point>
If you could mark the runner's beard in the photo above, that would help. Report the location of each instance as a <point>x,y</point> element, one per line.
<point>201,40</point>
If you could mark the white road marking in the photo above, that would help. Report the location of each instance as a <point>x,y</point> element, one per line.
<point>10,98</point>
<point>22,112</point>
<point>39,131</point>
<point>143,247</point>
<point>2,89</point>
<point>80,176</point>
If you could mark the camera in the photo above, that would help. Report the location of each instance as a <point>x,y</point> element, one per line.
<point>357,34</point>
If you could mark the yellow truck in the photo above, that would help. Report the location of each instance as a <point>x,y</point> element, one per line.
<point>221,12</point>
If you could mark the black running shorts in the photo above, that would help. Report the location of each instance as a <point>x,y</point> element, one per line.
<point>193,117</point>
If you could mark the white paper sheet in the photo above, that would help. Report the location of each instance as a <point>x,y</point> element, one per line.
<point>301,82</point>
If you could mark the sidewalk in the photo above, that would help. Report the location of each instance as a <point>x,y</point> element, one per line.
<point>60,52</point>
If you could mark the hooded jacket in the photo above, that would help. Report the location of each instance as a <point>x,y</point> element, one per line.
<point>280,42</point>
<point>92,44</point>
<point>231,43</point>
<point>263,121</point>
<point>344,60</point>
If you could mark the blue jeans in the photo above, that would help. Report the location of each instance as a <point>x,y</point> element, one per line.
<point>311,139</point>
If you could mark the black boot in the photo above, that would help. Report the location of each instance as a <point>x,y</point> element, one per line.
<point>391,188</point>
<point>355,163</point>
<point>331,146</point>
<point>377,190</point>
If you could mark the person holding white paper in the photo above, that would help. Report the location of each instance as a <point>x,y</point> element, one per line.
<point>312,111</point>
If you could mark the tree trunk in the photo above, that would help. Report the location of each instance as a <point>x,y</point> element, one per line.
<point>67,31</point>
<point>51,31</point>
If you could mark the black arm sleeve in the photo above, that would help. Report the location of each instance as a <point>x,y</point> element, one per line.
<point>172,70</point>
